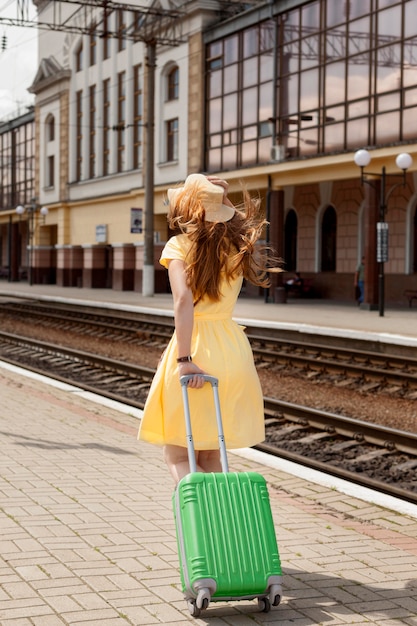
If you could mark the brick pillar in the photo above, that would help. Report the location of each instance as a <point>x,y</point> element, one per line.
<point>44,265</point>
<point>276,239</point>
<point>69,266</point>
<point>123,267</point>
<point>97,267</point>
<point>14,252</point>
<point>161,274</point>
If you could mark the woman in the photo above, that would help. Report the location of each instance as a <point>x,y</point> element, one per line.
<point>207,262</point>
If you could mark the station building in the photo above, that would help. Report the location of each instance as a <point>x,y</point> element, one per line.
<point>17,185</point>
<point>278,96</point>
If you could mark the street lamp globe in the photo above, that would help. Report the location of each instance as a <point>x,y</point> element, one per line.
<point>362,158</point>
<point>20,209</point>
<point>44,211</point>
<point>404,161</point>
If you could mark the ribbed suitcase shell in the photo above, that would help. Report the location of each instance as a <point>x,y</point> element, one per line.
<point>226,534</point>
<point>225,531</point>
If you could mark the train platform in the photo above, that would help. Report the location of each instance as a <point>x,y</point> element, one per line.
<point>88,537</point>
<point>317,317</point>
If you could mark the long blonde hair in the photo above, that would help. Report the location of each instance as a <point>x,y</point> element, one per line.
<point>222,249</point>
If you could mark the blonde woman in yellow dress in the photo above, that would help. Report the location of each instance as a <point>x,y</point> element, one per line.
<point>207,262</point>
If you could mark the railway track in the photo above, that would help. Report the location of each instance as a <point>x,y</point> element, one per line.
<point>381,458</point>
<point>354,366</point>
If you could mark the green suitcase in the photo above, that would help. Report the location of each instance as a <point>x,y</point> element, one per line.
<point>225,531</point>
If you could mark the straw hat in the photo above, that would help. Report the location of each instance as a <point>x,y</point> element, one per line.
<point>210,195</point>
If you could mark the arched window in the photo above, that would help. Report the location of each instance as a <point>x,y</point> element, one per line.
<point>50,128</point>
<point>173,84</point>
<point>328,240</point>
<point>50,151</point>
<point>290,241</point>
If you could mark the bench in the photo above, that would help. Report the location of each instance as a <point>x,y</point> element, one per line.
<point>305,290</point>
<point>410,294</point>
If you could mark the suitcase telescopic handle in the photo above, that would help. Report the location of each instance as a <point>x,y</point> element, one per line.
<point>190,444</point>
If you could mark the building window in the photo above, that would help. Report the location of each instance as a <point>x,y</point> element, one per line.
<point>106,47</point>
<point>239,91</point>
<point>79,134</point>
<point>328,240</point>
<point>121,29</point>
<point>106,126</point>
<point>105,37</point>
<point>172,140</point>
<point>345,76</point>
<point>137,116</point>
<point>92,131</point>
<point>121,121</point>
<point>50,128</point>
<point>17,158</point>
<point>173,84</point>
<point>93,45</point>
<point>50,174</point>
<point>79,58</point>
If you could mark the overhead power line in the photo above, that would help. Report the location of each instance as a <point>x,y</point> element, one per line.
<point>151,24</point>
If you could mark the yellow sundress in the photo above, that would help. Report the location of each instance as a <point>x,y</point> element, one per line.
<point>220,348</point>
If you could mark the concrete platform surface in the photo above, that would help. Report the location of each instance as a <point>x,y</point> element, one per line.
<point>88,538</point>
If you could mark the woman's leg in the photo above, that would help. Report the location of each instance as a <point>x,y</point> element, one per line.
<point>209,460</point>
<point>176,457</point>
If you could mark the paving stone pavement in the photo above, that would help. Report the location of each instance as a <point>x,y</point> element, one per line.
<point>88,538</point>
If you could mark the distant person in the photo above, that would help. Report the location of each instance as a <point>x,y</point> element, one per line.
<point>359,282</point>
<point>295,283</point>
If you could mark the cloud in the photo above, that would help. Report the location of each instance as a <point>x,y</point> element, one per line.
<point>18,66</point>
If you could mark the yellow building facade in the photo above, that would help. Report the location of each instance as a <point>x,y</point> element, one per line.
<point>278,97</point>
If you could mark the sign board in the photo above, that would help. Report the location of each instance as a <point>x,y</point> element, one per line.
<point>136,221</point>
<point>382,242</point>
<point>101,233</point>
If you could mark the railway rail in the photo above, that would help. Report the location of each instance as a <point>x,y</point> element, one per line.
<point>356,365</point>
<point>381,458</point>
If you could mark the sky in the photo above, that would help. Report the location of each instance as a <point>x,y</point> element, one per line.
<point>18,62</point>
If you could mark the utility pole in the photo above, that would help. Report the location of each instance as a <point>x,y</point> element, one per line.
<point>148,275</point>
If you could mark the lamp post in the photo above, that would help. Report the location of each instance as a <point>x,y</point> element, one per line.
<point>31,209</point>
<point>403,161</point>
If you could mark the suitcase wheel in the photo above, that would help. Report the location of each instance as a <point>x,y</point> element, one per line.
<point>203,598</point>
<point>275,593</point>
<point>201,602</point>
<point>264,604</point>
<point>276,600</point>
<point>193,609</point>
<point>196,610</point>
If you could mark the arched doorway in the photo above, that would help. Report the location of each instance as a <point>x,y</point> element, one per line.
<point>290,241</point>
<point>328,240</point>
